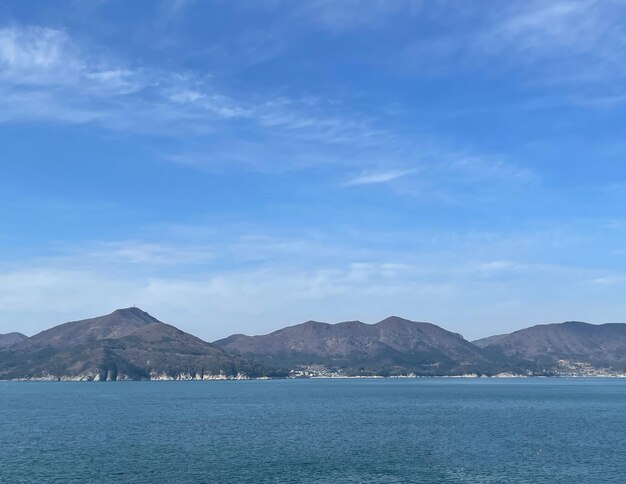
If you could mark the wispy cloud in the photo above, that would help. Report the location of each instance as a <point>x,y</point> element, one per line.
<point>609,280</point>
<point>355,14</point>
<point>560,32</point>
<point>47,76</point>
<point>209,303</point>
<point>37,57</point>
<point>44,67</point>
<point>197,277</point>
<point>376,177</point>
<point>573,46</point>
<point>480,168</point>
<point>178,5</point>
<point>147,253</point>
<point>497,266</point>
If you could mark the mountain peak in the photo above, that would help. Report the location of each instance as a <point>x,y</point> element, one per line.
<point>127,343</point>
<point>135,313</point>
<point>117,324</point>
<point>312,322</point>
<point>394,320</point>
<point>10,339</point>
<point>130,310</point>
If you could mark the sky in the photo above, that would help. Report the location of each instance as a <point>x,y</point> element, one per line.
<point>236,167</point>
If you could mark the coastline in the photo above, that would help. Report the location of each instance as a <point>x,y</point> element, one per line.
<point>241,377</point>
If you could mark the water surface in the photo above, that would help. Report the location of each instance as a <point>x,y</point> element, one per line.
<point>327,431</point>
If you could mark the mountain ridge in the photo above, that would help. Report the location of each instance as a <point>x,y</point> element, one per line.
<point>131,344</point>
<point>392,346</point>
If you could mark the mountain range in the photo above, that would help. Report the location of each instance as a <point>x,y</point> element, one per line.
<point>130,344</point>
<point>392,346</point>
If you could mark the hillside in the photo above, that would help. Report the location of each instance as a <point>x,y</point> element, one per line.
<point>126,344</point>
<point>10,339</point>
<point>392,346</point>
<point>570,346</point>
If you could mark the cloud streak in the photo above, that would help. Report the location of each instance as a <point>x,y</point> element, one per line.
<point>257,300</point>
<point>46,76</point>
<point>214,283</point>
<point>373,178</point>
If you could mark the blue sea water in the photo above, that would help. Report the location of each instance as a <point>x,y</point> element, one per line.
<point>326,431</point>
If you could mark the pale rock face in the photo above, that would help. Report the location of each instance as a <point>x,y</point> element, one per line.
<point>45,377</point>
<point>91,375</point>
<point>154,376</point>
<point>159,376</point>
<point>210,376</point>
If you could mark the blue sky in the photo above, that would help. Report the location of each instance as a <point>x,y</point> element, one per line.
<point>241,166</point>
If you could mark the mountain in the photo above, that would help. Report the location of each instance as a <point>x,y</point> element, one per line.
<point>391,347</point>
<point>132,344</point>
<point>10,339</point>
<point>126,344</point>
<point>566,348</point>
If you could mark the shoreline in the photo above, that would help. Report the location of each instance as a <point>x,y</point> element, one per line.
<point>79,379</point>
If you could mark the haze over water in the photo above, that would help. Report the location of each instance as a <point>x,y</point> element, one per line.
<point>423,430</point>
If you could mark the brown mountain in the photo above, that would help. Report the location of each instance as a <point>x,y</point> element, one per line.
<point>392,346</point>
<point>126,344</point>
<point>10,339</point>
<point>569,346</point>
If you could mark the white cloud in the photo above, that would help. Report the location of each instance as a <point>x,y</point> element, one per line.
<point>179,5</point>
<point>539,30</point>
<point>258,300</point>
<point>36,55</point>
<point>215,282</point>
<point>497,266</point>
<point>477,168</point>
<point>47,75</point>
<point>609,280</point>
<point>369,177</point>
<point>577,43</point>
<point>573,47</point>
<point>137,252</point>
<point>354,14</point>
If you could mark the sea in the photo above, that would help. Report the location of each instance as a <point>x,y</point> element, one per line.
<point>423,430</point>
